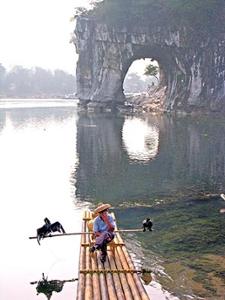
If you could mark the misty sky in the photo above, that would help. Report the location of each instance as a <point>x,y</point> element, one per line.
<point>37,33</point>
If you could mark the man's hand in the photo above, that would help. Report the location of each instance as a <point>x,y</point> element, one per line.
<point>97,234</point>
<point>105,218</point>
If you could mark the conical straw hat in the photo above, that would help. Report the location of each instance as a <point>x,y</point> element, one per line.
<point>102,207</point>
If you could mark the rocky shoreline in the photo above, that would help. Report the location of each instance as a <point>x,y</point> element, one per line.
<point>146,102</point>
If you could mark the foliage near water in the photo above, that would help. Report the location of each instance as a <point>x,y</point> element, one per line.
<point>201,15</point>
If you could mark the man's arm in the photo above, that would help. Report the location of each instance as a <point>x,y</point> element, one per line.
<point>96,228</point>
<point>106,219</point>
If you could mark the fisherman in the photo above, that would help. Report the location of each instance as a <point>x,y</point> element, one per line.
<point>104,226</point>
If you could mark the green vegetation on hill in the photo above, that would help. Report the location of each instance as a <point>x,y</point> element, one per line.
<point>198,14</point>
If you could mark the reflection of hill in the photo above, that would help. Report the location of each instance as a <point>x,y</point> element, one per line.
<point>190,158</point>
<point>99,151</point>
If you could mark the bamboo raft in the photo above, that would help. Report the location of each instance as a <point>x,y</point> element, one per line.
<point>116,279</point>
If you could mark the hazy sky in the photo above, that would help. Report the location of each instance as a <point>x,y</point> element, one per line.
<point>37,33</point>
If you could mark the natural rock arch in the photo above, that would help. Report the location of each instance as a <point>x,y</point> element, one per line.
<point>136,81</point>
<point>194,76</point>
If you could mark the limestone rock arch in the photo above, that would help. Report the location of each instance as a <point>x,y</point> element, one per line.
<point>106,53</point>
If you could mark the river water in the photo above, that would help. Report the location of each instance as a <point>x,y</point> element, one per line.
<point>56,161</point>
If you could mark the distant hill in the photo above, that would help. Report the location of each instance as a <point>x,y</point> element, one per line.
<point>20,82</point>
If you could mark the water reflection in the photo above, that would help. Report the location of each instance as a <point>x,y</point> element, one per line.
<point>31,103</point>
<point>141,140</point>
<point>99,152</point>
<point>54,163</point>
<point>188,158</point>
<point>47,287</point>
<point>37,158</point>
<point>190,161</point>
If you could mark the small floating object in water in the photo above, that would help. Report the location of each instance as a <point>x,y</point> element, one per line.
<point>222,196</point>
<point>222,210</point>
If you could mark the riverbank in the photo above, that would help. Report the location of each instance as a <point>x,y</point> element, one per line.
<point>146,102</point>
<point>151,102</point>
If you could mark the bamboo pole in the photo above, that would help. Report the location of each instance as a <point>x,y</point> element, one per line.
<point>116,278</point>
<point>85,233</point>
<point>62,281</point>
<point>95,278</point>
<point>110,283</point>
<point>81,280</point>
<point>141,289</point>
<point>130,264</point>
<point>88,282</point>
<point>102,280</point>
<point>88,285</point>
<point>129,276</point>
<point>123,279</point>
<point>93,266</point>
<point>117,263</point>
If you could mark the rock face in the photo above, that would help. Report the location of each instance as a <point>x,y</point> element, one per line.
<point>193,72</point>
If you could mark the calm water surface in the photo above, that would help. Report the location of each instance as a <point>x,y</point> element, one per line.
<point>55,162</point>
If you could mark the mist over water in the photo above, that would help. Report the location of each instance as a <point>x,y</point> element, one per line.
<point>55,162</point>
